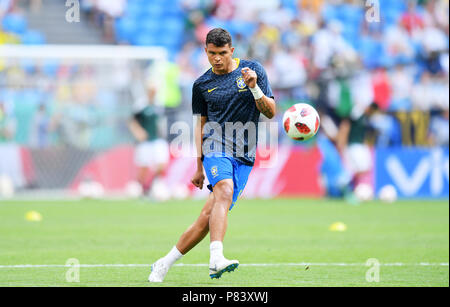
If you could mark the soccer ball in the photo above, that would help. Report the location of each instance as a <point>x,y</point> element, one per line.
<point>6,187</point>
<point>133,189</point>
<point>301,122</point>
<point>91,189</point>
<point>388,194</point>
<point>364,192</point>
<point>180,191</point>
<point>159,191</point>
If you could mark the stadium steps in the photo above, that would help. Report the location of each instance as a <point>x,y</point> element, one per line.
<point>51,21</point>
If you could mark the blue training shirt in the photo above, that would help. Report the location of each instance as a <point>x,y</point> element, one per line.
<point>230,108</point>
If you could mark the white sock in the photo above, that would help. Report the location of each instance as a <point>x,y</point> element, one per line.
<point>173,256</point>
<point>216,251</point>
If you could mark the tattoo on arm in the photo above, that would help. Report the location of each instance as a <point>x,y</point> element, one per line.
<point>264,107</point>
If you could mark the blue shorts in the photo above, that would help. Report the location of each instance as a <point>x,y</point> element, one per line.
<point>219,167</point>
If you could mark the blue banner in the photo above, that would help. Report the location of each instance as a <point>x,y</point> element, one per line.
<point>414,172</point>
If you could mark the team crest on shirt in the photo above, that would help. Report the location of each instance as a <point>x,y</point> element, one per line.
<point>240,83</point>
<point>214,171</point>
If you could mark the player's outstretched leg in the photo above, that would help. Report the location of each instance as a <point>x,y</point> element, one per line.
<point>218,264</point>
<point>190,238</point>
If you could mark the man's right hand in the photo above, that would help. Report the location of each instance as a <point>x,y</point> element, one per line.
<point>198,179</point>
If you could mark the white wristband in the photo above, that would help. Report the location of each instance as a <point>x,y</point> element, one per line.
<point>256,91</point>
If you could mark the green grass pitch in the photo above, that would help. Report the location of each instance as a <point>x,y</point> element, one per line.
<point>273,240</point>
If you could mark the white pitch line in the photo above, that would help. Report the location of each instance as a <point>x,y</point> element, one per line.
<point>31,266</point>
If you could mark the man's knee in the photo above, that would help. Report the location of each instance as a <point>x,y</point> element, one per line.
<point>223,191</point>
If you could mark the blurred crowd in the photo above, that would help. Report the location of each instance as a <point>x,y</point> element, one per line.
<point>377,72</point>
<point>63,104</point>
<point>330,53</point>
<point>387,76</point>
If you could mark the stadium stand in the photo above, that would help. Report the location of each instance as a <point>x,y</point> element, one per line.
<point>324,52</point>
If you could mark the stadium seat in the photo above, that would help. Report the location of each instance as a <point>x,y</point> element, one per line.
<point>143,39</point>
<point>32,38</point>
<point>329,13</point>
<point>153,9</point>
<point>400,105</point>
<point>398,5</point>
<point>14,23</point>
<point>246,29</point>
<point>371,51</point>
<point>395,135</point>
<point>290,5</point>
<point>173,11</point>
<point>125,29</point>
<point>28,65</point>
<point>133,10</point>
<point>391,17</point>
<point>351,36</point>
<point>50,67</point>
<point>213,22</point>
<point>351,16</point>
<point>150,25</point>
<point>166,39</point>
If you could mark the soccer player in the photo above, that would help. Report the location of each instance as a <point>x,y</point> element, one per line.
<point>232,93</point>
<point>152,151</point>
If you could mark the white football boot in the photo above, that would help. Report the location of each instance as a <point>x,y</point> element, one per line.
<point>217,268</point>
<point>159,270</point>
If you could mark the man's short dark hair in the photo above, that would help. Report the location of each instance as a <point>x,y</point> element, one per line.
<point>218,37</point>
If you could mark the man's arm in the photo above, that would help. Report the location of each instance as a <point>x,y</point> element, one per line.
<point>199,177</point>
<point>342,135</point>
<point>265,105</point>
<point>138,132</point>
